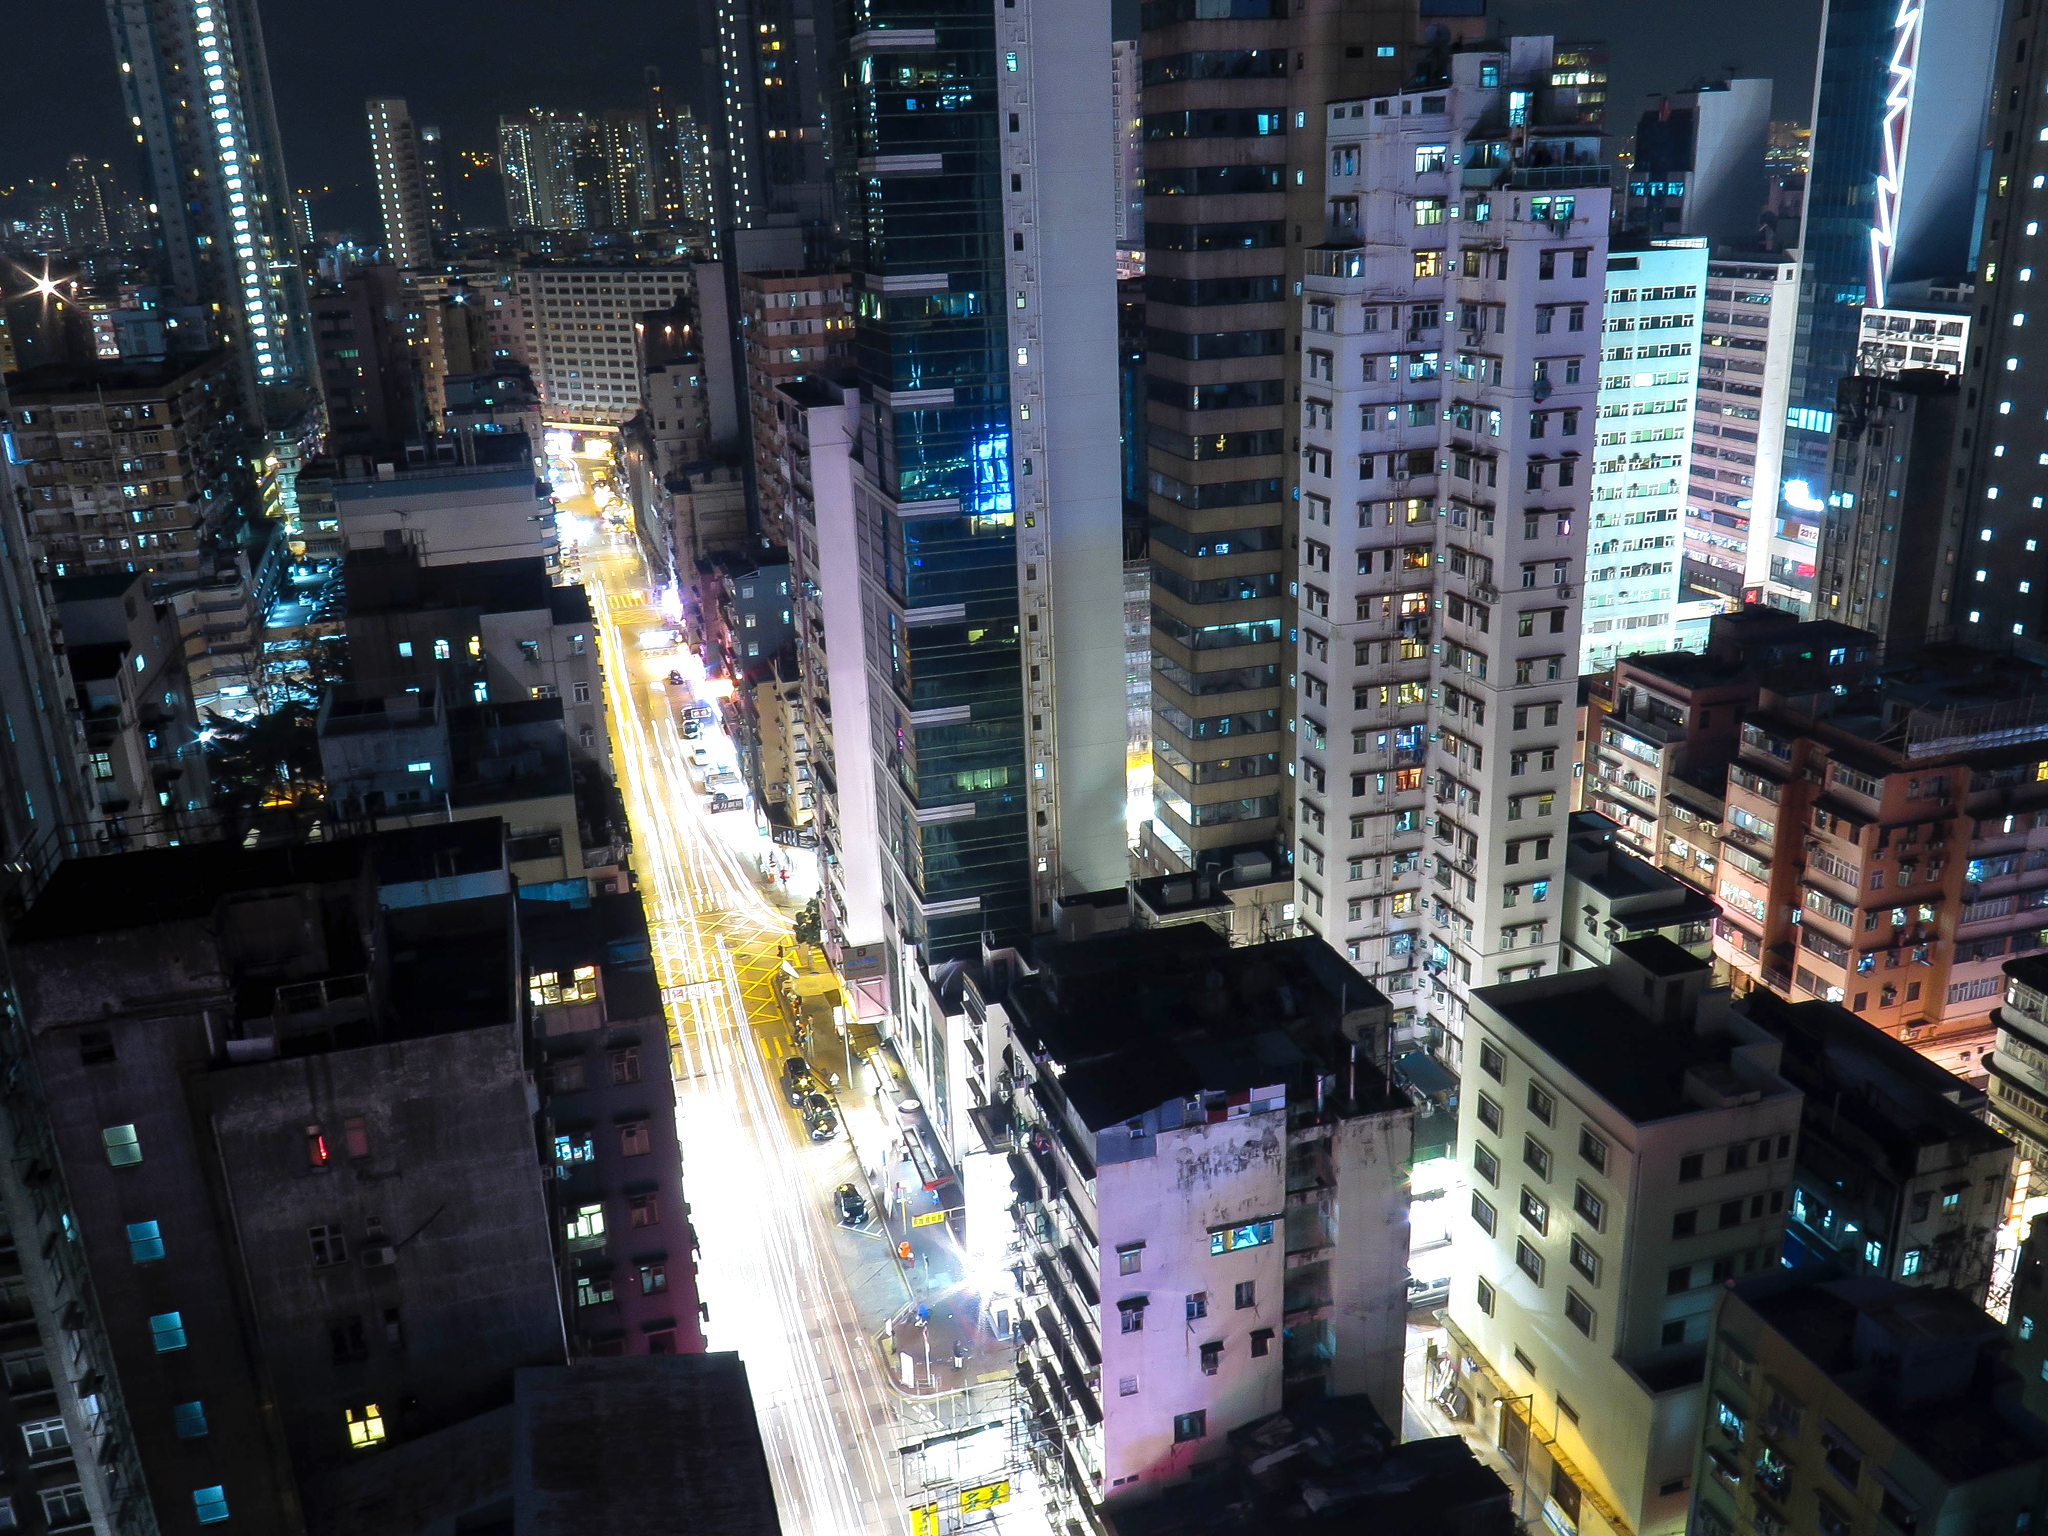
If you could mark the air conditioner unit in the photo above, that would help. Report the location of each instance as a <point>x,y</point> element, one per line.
<point>1474,338</point>
<point>1398,474</point>
<point>380,1258</point>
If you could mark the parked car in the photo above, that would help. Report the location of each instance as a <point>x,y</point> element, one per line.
<point>797,1081</point>
<point>692,729</point>
<point>675,679</point>
<point>848,1205</point>
<point>820,1119</point>
<point>700,757</point>
<point>720,778</point>
<point>1428,1291</point>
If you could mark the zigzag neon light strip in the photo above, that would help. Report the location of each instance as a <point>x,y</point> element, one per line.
<point>1898,128</point>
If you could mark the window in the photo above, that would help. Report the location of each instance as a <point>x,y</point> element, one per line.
<point>1593,1150</point>
<point>593,1290</point>
<point>1541,1104</point>
<point>365,1426</point>
<point>625,1066</point>
<point>643,1210</point>
<point>1212,1357</point>
<point>1843,1457</point>
<point>167,1331</point>
<point>1577,1313</point>
<point>1491,1062</point>
<point>1198,1305</point>
<point>1127,1386</point>
<point>1247,1294</point>
<point>145,1242</point>
<point>1489,1114</point>
<point>124,1147</point>
<point>586,1228</point>
<point>1691,1166</point>
<point>1485,1163</point>
<point>1251,1235</point>
<point>44,1435</point>
<point>210,1504</point>
<point>1130,1260</point>
<point>95,1048</point>
<point>1528,1260</point>
<point>1484,1214</point>
<point>66,1505</point>
<point>635,1139</point>
<point>190,1419</point>
<point>1685,1223</point>
<point>1486,1297</point>
<point>1673,1333</point>
<point>1591,1208</point>
<point>1536,1155</point>
<point>1585,1260</point>
<point>1262,1339</point>
<point>328,1245</point>
<point>1190,1426</point>
<point>1731,1213</point>
<point>1535,1210</point>
<point>1132,1309</point>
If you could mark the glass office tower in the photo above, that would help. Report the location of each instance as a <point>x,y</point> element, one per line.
<point>988,488</point>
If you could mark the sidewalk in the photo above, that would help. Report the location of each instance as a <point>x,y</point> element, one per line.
<point>1424,1417</point>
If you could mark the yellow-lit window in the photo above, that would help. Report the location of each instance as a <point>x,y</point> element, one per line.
<point>365,1426</point>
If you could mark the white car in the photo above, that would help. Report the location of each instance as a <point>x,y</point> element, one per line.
<point>720,778</point>
<point>699,758</point>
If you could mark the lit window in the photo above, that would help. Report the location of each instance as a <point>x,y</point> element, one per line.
<point>365,1426</point>
<point>190,1419</point>
<point>211,1504</point>
<point>124,1147</point>
<point>167,1331</point>
<point>145,1241</point>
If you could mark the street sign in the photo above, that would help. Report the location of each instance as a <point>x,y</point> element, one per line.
<point>793,837</point>
<point>987,1496</point>
<point>928,1219</point>
<point>924,1520</point>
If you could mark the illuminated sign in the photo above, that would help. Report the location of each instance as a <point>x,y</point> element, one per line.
<point>1897,129</point>
<point>987,1496</point>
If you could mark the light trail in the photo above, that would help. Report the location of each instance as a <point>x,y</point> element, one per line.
<point>758,1189</point>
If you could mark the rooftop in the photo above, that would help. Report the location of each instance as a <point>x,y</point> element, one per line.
<point>91,382</point>
<point>1881,1086</point>
<point>1141,1016</point>
<point>1914,1359</point>
<point>608,930</point>
<point>171,885</point>
<point>640,1443</point>
<point>1593,1024</point>
<point>394,581</point>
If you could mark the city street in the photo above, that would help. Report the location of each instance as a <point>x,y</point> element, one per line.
<point>775,1272</point>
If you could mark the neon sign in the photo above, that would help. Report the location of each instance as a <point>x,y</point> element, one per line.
<point>1898,127</point>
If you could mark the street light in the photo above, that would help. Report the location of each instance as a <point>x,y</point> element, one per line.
<point>1528,1435</point>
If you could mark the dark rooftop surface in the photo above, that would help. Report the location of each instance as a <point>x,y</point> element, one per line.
<point>1894,1095</point>
<point>170,885</point>
<point>1660,957</point>
<point>640,1443</point>
<point>90,380</point>
<point>1329,1466</point>
<point>94,663</point>
<point>1142,1016</point>
<point>1637,1066</point>
<point>1884,1343</point>
<point>386,581</point>
<point>87,589</point>
<point>438,852</point>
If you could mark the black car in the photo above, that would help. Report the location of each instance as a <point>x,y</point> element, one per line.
<point>848,1205</point>
<point>675,679</point>
<point>692,729</point>
<point>797,1081</point>
<point>820,1119</point>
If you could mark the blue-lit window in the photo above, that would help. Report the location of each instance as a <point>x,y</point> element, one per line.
<point>145,1242</point>
<point>1252,1235</point>
<point>210,1504</point>
<point>190,1419</point>
<point>167,1331</point>
<point>1726,1416</point>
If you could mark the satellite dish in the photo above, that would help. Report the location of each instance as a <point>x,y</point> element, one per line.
<point>1542,390</point>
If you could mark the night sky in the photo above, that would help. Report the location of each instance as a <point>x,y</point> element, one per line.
<point>460,66</point>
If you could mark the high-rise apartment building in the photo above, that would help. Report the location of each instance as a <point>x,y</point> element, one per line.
<point>1699,164</point>
<point>92,202</point>
<point>773,171</point>
<point>537,153</point>
<point>1996,592</point>
<point>1448,396</point>
<point>628,172</point>
<point>1891,201</point>
<point>797,325</point>
<point>432,178</point>
<point>197,87</point>
<point>1886,549</point>
<point>1630,1141</point>
<point>580,320</point>
<point>1235,122</point>
<point>664,166</point>
<point>984,340</point>
<point>1127,152</point>
<point>1745,367</point>
<point>401,184</point>
<point>1649,363</point>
